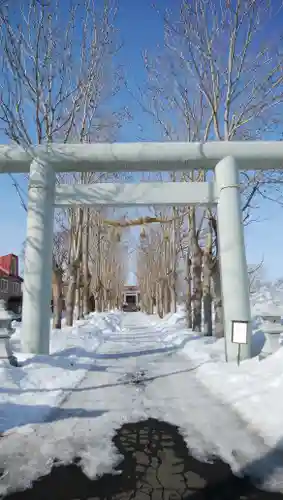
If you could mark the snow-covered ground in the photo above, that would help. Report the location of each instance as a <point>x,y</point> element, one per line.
<point>34,387</point>
<point>70,403</point>
<point>253,389</point>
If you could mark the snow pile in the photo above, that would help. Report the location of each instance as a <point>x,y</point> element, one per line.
<point>47,380</point>
<point>171,319</point>
<point>172,328</point>
<point>254,389</point>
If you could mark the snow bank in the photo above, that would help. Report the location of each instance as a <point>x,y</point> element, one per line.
<point>254,389</point>
<point>41,383</point>
<point>178,318</point>
<point>172,327</point>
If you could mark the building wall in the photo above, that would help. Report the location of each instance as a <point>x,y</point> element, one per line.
<point>9,287</point>
<point>131,290</point>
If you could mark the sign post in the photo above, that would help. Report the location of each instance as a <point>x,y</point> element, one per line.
<point>240,331</point>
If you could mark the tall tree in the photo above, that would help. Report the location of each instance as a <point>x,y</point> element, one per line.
<point>58,78</point>
<point>218,76</point>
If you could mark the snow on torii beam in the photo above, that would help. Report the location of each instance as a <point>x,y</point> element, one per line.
<point>43,163</point>
<point>145,156</point>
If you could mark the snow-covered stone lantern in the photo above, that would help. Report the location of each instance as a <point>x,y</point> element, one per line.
<point>272,328</point>
<point>6,330</point>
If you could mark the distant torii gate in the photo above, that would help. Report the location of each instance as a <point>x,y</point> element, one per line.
<point>43,162</point>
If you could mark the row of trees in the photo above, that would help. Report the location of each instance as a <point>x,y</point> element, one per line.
<point>59,84</point>
<point>178,262</point>
<point>89,267</point>
<point>217,76</point>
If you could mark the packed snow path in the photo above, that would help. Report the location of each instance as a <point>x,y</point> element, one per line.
<point>108,397</point>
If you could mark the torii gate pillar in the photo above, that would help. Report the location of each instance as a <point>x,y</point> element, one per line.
<point>233,264</point>
<point>38,259</point>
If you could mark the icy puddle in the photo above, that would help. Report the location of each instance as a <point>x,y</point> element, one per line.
<point>156,466</point>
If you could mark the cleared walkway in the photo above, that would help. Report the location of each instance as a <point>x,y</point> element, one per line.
<point>136,375</point>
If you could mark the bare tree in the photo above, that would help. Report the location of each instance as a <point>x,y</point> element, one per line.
<point>60,254</point>
<point>150,270</point>
<point>58,79</point>
<point>108,263</point>
<point>217,77</point>
<point>256,276</point>
<point>157,262</point>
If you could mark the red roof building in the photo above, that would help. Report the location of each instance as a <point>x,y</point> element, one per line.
<point>10,282</point>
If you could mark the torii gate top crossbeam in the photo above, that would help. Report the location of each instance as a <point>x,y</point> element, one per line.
<point>143,156</point>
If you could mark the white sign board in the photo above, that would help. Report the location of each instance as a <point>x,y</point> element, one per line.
<point>240,332</point>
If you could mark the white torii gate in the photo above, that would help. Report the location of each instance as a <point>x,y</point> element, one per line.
<point>43,162</point>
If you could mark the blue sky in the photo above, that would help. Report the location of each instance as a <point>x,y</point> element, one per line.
<point>141,29</point>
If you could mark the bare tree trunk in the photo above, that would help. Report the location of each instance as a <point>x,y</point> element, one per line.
<point>74,267</point>
<point>196,269</point>
<point>164,283</point>
<point>57,288</point>
<point>159,301</point>
<point>77,298</point>
<point>207,300</point>
<point>197,287</point>
<point>70,296</point>
<point>174,259</point>
<point>151,305</point>
<point>78,294</point>
<point>217,299</point>
<point>80,310</point>
<point>189,292</point>
<point>98,272</point>
<point>166,298</point>
<point>99,301</point>
<point>173,299</point>
<point>207,265</point>
<point>85,254</point>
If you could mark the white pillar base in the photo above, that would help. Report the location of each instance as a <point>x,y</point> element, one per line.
<point>38,260</point>
<point>233,265</point>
